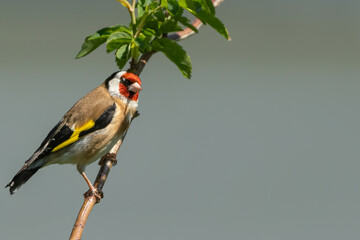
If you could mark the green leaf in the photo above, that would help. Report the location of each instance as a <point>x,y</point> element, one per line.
<point>187,4</point>
<point>148,32</point>
<point>215,23</point>
<point>193,7</point>
<point>141,22</point>
<point>159,14</point>
<point>143,43</point>
<point>122,55</point>
<point>116,40</point>
<point>186,22</point>
<point>118,36</point>
<point>153,5</point>
<point>152,23</point>
<point>141,7</point>
<point>169,25</point>
<point>171,5</point>
<point>164,3</point>
<point>90,45</point>
<point>135,51</point>
<point>197,10</point>
<point>175,53</point>
<point>95,40</point>
<point>125,29</point>
<point>208,4</point>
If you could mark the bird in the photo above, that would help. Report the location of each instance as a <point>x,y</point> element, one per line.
<point>88,130</point>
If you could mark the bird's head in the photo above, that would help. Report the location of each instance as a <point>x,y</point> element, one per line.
<point>124,85</point>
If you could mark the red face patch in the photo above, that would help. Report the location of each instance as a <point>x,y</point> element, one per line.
<point>124,89</point>
<point>132,77</point>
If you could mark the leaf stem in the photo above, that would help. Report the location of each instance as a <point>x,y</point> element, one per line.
<point>133,23</point>
<point>143,20</point>
<point>133,17</point>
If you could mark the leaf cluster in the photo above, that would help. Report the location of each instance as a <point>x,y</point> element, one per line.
<point>151,22</point>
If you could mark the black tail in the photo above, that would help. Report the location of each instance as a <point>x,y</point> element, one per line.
<point>20,178</point>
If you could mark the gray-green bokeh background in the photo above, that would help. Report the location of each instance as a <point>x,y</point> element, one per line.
<point>262,143</point>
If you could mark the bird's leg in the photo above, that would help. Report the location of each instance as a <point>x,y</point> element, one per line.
<point>92,190</point>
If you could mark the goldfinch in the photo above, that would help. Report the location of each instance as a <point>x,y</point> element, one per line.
<point>88,130</point>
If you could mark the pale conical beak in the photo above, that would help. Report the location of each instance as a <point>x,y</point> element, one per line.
<point>135,87</point>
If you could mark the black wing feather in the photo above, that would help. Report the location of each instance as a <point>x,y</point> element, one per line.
<point>56,137</point>
<point>60,133</point>
<point>102,121</point>
<point>44,146</point>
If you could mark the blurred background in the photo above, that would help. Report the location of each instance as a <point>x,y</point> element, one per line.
<point>261,143</point>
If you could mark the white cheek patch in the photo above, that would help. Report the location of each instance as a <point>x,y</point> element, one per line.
<point>114,87</point>
<point>114,90</point>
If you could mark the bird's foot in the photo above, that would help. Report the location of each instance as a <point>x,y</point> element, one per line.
<point>108,157</point>
<point>98,194</point>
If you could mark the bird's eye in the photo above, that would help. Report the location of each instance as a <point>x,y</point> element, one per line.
<point>125,81</point>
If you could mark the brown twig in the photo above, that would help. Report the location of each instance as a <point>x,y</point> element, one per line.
<point>106,162</point>
<point>137,67</point>
<point>109,159</point>
<point>187,32</point>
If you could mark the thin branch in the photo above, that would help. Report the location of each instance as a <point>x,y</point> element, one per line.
<point>90,200</point>
<point>133,17</point>
<point>109,159</point>
<point>187,32</point>
<point>128,6</point>
<point>137,67</point>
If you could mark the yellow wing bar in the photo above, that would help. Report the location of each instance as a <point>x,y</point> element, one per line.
<point>75,135</point>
